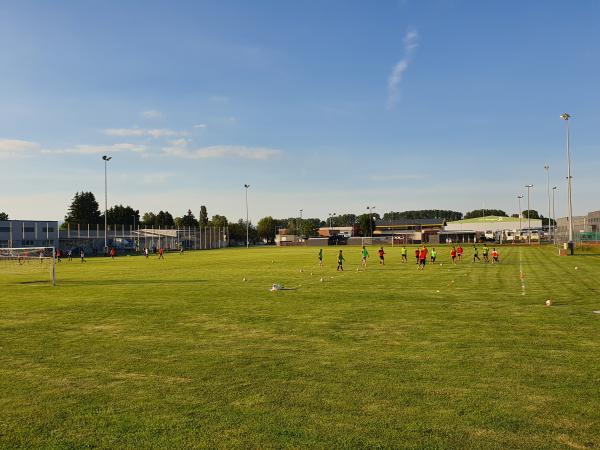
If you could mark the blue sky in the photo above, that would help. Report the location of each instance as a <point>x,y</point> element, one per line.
<point>325,106</point>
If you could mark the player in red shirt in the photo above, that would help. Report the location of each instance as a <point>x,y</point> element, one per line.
<point>381,258</point>
<point>453,255</point>
<point>417,253</point>
<point>459,252</point>
<point>161,252</point>
<point>113,253</point>
<point>494,256</point>
<point>423,258</point>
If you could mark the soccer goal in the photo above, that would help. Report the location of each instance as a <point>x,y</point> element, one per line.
<point>34,263</point>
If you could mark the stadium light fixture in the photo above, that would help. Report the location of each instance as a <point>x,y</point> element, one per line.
<point>566,117</point>
<point>106,159</point>
<point>247,223</point>
<point>554,215</point>
<point>528,186</point>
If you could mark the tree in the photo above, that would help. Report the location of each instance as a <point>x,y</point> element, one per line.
<point>123,215</point>
<point>83,210</point>
<point>267,228</point>
<point>164,219</point>
<point>218,221</point>
<point>343,220</point>
<point>149,219</point>
<point>516,216</point>
<point>203,217</point>
<point>189,220</point>
<point>310,227</point>
<point>532,213</point>
<point>237,232</point>
<point>3,216</point>
<point>485,212</point>
<point>366,223</point>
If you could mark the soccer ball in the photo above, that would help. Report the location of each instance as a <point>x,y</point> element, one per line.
<point>357,269</point>
<point>244,279</point>
<point>321,279</point>
<point>301,270</point>
<point>549,302</point>
<point>576,267</point>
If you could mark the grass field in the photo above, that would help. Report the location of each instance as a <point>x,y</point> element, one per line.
<point>183,353</point>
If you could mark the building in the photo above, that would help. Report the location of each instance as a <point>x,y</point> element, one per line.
<point>589,223</point>
<point>28,233</point>
<point>493,226</point>
<point>334,231</point>
<point>410,230</point>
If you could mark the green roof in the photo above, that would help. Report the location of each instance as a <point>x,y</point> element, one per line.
<point>488,219</point>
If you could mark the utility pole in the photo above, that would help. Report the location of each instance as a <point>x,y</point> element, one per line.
<point>571,244</point>
<point>247,222</point>
<point>106,159</point>
<point>528,186</point>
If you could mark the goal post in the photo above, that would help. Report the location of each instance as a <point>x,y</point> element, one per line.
<point>29,261</point>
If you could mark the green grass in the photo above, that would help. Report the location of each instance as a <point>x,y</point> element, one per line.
<point>183,353</point>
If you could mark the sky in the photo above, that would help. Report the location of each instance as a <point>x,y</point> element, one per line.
<point>321,106</point>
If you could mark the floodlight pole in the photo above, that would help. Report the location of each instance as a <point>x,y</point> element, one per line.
<point>566,117</point>
<point>247,223</point>
<point>520,215</point>
<point>528,186</point>
<point>300,226</point>
<point>106,160</point>
<point>370,212</point>
<point>554,215</point>
<point>547,169</point>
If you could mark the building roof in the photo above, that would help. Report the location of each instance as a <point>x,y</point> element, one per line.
<point>489,219</point>
<point>400,222</point>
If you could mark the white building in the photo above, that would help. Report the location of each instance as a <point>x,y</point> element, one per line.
<point>29,233</point>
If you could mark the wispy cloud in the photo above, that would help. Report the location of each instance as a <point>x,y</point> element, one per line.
<point>17,148</point>
<point>219,99</point>
<point>156,178</point>
<point>410,41</point>
<point>155,133</point>
<point>180,149</point>
<point>94,149</point>
<point>200,126</point>
<point>152,114</point>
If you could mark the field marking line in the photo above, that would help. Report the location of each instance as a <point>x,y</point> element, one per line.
<point>521,274</point>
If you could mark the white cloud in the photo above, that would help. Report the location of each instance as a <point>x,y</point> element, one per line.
<point>410,44</point>
<point>94,149</point>
<point>16,148</point>
<point>179,149</point>
<point>152,114</point>
<point>155,133</point>
<point>200,125</point>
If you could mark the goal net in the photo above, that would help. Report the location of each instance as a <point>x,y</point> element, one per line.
<point>31,263</point>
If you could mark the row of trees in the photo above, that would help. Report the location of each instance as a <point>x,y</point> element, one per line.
<point>3,216</point>
<point>84,209</point>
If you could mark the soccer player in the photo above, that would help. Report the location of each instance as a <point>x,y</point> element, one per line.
<point>161,252</point>
<point>364,255</point>
<point>146,252</point>
<point>494,256</point>
<point>70,254</point>
<point>320,256</point>
<point>422,258</point>
<point>58,255</point>
<point>459,252</point>
<point>404,253</point>
<point>453,255</point>
<point>341,260</point>
<point>381,253</point>
<point>417,254</point>
<point>433,255</point>
<point>82,256</point>
<point>486,252</point>
<point>113,253</point>
<point>476,253</point>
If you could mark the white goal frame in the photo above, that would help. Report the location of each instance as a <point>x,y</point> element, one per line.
<point>36,251</point>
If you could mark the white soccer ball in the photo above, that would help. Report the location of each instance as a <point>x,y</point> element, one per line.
<point>244,279</point>
<point>301,270</point>
<point>437,291</point>
<point>549,302</point>
<point>321,279</point>
<point>576,267</point>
